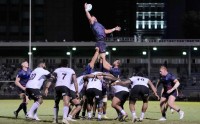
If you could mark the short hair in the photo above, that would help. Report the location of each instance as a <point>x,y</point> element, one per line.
<point>64,63</point>
<point>139,74</point>
<point>163,67</point>
<point>41,62</point>
<point>119,62</point>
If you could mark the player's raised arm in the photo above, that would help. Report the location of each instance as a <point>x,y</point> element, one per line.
<point>108,31</point>
<point>88,14</point>
<point>106,65</point>
<point>94,58</point>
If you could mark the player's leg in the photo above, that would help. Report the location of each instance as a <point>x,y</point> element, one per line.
<point>94,58</point>
<point>21,106</point>
<point>134,94</point>
<point>116,104</point>
<point>105,99</point>
<point>171,103</point>
<point>145,98</point>
<point>84,106</point>
<point>34,94</point>
<point>94,108</point>
<point>90,96</point>
<point>66,100</point>
<point>77,104</point>
<point>99,101</point>
<point>57,98</point>
<point>163,102</point>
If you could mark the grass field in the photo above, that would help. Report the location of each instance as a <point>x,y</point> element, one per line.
<point>45,113</point>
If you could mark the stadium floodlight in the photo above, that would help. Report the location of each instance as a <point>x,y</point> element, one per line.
<point>144,53</point>
<point>184,53</point>
<point>114,49</point>
<point>195,48</point>
<point>154,48</point>
<point>68,53</point>
<point>107,53</point>
<point>74,48</point>
<point>29,53</point>
<point>34,48</point>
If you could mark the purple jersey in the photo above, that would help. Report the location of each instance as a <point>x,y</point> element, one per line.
<point>99,31</point>
<point>88,70</point>
<point>115,71</point>
<point>24,76</point>
<point>167,81</point>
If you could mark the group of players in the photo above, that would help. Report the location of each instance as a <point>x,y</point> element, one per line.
<point>89,90</point>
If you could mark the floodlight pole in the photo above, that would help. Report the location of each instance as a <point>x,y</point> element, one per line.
<point>30,52</point>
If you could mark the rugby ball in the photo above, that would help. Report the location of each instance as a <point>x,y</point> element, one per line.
<point>88,7</point>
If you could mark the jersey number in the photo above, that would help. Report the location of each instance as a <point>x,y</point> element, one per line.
<point>32,76</point>
<point>64,74</point>
<point>142,79</point>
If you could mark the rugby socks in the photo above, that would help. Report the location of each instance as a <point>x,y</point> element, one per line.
<point>24,107</point>
<point>35,114</point>
<point>123,112</point>
<point>55,113</point>
<point>65,111</point>
<point>142,115</point>
<point>19,108</point>
<point>133,114</point>
<point>99,115</point>
<point>164,114</point>
<point>33,108</point>
<point>89,114</point>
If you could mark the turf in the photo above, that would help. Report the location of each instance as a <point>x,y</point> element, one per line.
<point>45,113</point>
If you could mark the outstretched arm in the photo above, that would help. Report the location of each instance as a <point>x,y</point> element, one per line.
<point>94,58</point>
<point>88,14</point>
<point>108,31</point>
<point>153,89</point>
<point>123,83</point>
<point>106,65</point>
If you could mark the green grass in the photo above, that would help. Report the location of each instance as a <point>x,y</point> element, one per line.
<point>45,112</point>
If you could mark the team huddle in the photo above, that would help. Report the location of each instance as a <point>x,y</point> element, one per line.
<point>89,91</point>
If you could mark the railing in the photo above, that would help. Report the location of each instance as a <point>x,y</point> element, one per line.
<point>121,39</point>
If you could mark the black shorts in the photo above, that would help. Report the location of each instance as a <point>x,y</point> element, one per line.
<point>104,91</point>
<point>61,91</point>
<point>139,91</point>
<point>19,90</point>
<point>102,46</point>
<point>92,93</point>
<point>34,94</point>
<point>166,95</point>
<point>122,96</point>
<point>73,94</point>
<point>82,93</point>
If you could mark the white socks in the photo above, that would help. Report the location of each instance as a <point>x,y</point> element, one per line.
<point>65,111</point>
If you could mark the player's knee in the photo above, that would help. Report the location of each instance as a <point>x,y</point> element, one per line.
<point>100,103</point>
<point>170,104</point>
<point>40,100</point>
<point>113,105</point>
<point>66,103</point>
